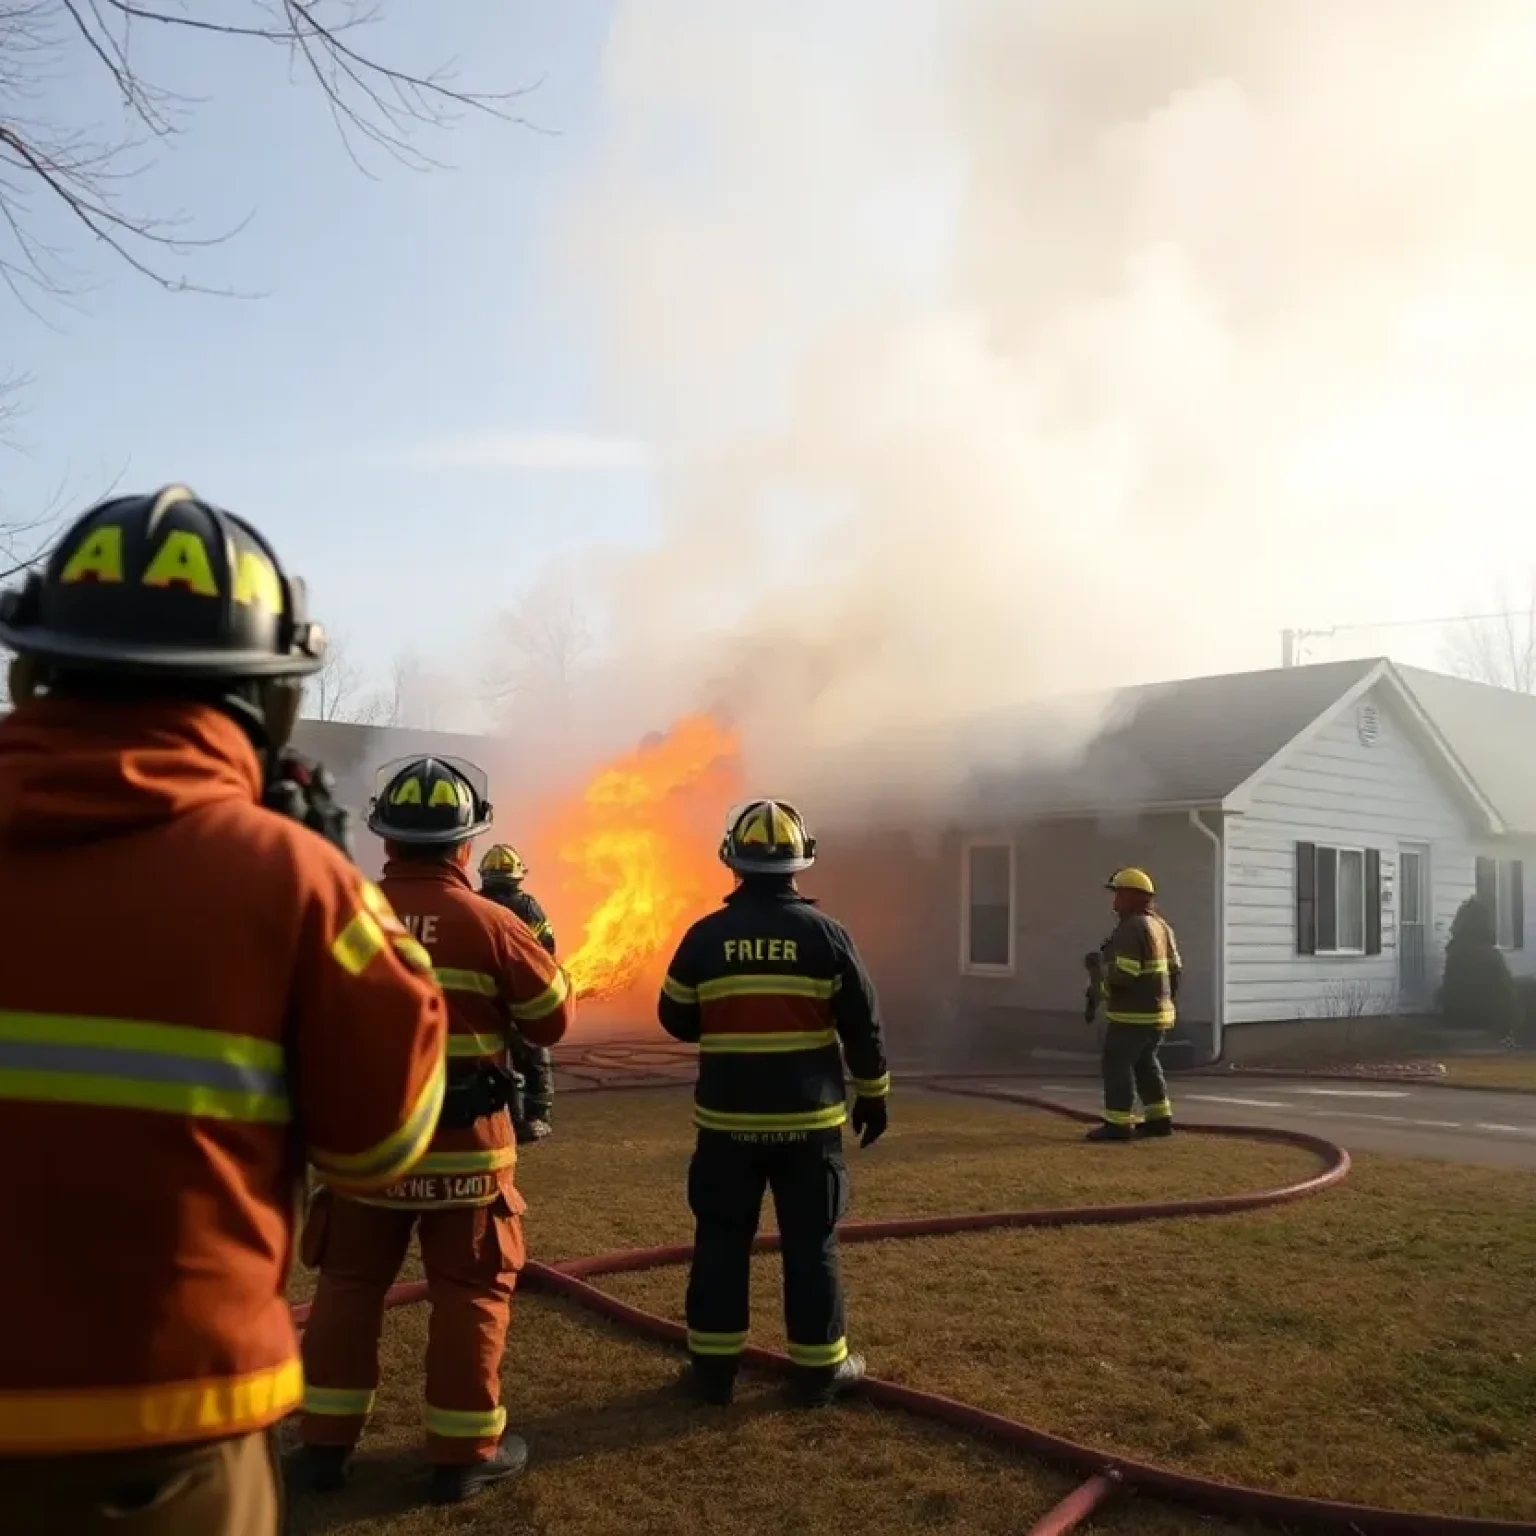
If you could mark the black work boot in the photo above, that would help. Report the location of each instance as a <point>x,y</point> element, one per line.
<point>820,1387</point>
<point>452,1485</point>
<point>1107,1132</point>
<point>318,1468</point>
<point>708,1382</point>
<point>1163,1127</point>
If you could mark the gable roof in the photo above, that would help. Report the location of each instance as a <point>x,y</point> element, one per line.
<point>1492,730</point>
<point>1207,741</point>
<point>1180,744</point>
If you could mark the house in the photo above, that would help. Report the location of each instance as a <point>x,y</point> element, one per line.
<point>1312,831</point>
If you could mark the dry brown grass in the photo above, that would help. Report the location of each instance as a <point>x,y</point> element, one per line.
<point>1515,1072</point>
<point>1374,1342</point>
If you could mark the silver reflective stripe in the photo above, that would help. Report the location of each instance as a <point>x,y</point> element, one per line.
<point>140,1066</point>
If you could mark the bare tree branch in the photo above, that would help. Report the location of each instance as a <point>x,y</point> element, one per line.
<point>83,176</point>
<point>541,645</point>
<point>1501,650</point>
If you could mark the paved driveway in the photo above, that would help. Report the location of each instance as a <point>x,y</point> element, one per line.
<point>1453,1124</point>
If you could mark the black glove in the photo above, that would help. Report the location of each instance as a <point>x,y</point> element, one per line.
<point>869,1120</point>
<point>532,1130</point>
<point>306,792</point>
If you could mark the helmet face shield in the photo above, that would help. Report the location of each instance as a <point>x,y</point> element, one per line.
<point>429,800</point>
<point>767,837</point>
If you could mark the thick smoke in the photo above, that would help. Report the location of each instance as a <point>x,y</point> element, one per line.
<point>1005,348</point>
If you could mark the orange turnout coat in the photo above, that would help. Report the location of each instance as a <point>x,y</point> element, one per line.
<point>194,993</point>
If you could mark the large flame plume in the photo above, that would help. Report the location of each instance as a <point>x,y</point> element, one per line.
<point>633,857</point>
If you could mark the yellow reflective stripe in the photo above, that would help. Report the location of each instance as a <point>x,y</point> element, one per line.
<point>716,1343</point>
<point>825,1119</point>
<point>767,986</point>
<point>1129,966</point>
<point>1119,1117</point>
<point>490,1161</point>
<point>128,1064</point>
<point>412,953</point>
<point>1168,1016</point>
<point>478,982</point>
<point>819,1355</point>
<point>872,1087</point>
<point>545,1003</point>
<point>1162,1110</point>
<point>356,945</point>
<point>119,1418</point>
<point>461,1424</point>
<point>542,931</point>
<point>338,1402</point>
<point>475,1045</point>
<point>687,996</point>
<point>768,1044</point>
<point>397,1154</point>
<point>1154,968</point>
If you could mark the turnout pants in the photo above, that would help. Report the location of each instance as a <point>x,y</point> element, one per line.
<point>726,1179</point>
<point>472,1255</point>
<point>221,1488</point>
<point>1131,1071</point>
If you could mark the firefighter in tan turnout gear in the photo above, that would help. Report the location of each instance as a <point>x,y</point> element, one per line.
<point>1139,974</point>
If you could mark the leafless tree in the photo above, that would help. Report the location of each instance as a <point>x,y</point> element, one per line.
<point>333,693</point>
<point>65,181</point>
<point>413,697</point>
<point>1500,650</point>
<point>539,649</point>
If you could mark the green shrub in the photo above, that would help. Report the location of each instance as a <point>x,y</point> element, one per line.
<point>1477,993</point>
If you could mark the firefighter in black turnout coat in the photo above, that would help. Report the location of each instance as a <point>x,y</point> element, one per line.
<point>775,994</point>
<point>502,873</point>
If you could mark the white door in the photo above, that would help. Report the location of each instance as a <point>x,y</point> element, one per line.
<point>1412,914</point>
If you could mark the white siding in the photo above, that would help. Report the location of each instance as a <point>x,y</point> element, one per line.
<point>1338,791</point>
<point>1522,961</point>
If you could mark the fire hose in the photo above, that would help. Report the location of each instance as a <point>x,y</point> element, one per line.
<point>1106,1474</point>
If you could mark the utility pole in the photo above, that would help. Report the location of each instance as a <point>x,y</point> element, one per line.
<point>1287,647</point>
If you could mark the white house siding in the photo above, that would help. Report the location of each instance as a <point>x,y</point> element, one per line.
<point>1061,909</point>
<point>1343,792</point>
<point>1522,961</point>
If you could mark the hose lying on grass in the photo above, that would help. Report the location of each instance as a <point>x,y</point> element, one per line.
<point>1106,1474</point>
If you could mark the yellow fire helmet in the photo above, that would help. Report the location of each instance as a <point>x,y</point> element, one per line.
<point>767,837</point>
<point>1131,880</point>
<point>502,861</point>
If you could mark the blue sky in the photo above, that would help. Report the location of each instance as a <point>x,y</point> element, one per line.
<point>403,318</point>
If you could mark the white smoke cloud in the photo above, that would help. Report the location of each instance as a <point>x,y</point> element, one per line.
<point>996,349</point>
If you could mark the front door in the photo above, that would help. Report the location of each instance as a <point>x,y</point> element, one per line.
<point>1412,910</point>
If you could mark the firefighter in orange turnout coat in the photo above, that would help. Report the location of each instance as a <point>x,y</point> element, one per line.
<point>461,1199</point>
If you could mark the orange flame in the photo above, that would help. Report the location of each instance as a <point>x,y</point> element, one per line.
<point>637,854</point>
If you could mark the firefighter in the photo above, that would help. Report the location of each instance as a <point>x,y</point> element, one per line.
<point>1140,980</point>
<point>171,1039</point>
<point>502,873</point>
<point>774,993</point>
<point>461,1201</point>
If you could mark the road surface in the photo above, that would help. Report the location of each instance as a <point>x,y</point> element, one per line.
<point>1460,1125</point>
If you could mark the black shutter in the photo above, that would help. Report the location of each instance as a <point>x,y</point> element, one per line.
<point>1487,886</point>
<point>1517,899</point>
<point>1306,898</point>
<point>1373,901</point>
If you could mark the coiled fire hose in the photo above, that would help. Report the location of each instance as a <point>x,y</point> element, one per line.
<point>1106,1474</point>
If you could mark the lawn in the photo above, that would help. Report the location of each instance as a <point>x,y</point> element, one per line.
<point>1375,1342</point>
<point>1493,1071</point>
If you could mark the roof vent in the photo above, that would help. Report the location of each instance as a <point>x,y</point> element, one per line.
<point>1368,724</point>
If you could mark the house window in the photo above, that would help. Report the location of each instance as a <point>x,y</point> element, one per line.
<point>1338,900</point>
<point>986,944</point>
<point>1501,888</point>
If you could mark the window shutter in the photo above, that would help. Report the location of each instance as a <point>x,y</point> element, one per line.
<point>1306,898</point>
<point>1373,901</point>
<point>1517,900</point>
<point>1487,885</point>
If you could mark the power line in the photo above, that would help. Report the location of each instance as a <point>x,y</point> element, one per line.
<point>1291,639</point>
